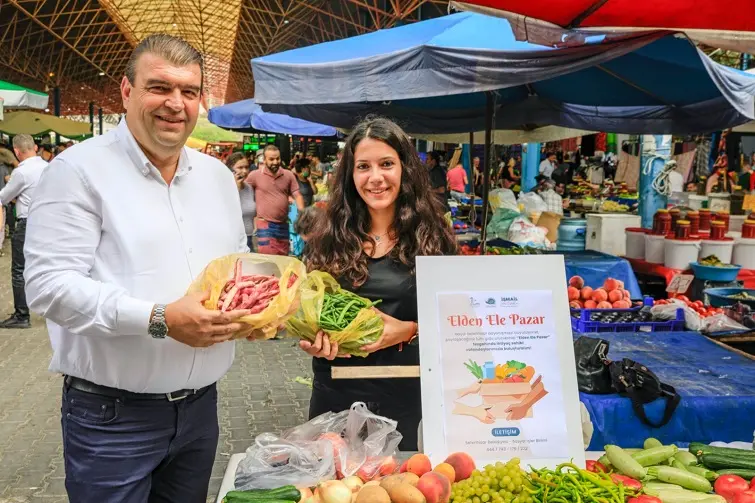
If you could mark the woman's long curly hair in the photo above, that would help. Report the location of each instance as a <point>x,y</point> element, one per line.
<point>419,226</point>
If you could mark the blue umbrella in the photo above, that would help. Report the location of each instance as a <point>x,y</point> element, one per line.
<point>248,117</point>
<point>435,76</point>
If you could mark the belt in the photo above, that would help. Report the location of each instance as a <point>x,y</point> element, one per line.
<point>96,389</point>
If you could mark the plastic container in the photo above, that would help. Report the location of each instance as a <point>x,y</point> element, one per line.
<point>720,297</point>
<point>635,242</point>
<point>748,229</point>
<point>572,234</point>
<point>735,224</point>
<point>717,229</point>
<point>711,273</point>
<point>682,230</point>
<point>744,253</point>
<point>661,222</point>
<point>676,215</point>
<point>721,248</point>
<point>655,248</point>
<point>737,200</point>
<point>679,253</point>
<point>722,216</point>
<point>583,324</point>
<point>705,218</point>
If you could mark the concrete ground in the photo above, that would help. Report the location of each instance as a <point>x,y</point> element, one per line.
<point>258,394</point>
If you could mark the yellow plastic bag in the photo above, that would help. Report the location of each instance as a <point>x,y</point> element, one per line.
<point>221,270</point>
<point>366,328</point>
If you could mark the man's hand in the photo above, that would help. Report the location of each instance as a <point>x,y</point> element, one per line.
<point>193,324</point>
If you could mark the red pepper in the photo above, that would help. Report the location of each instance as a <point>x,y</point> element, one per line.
<point>628,482</point>
<point>644,499</point>
<point>596,466</point>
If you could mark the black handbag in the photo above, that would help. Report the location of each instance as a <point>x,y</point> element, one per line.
<point>638,383</point>
<point>591,356</point>
<point>596,374</point>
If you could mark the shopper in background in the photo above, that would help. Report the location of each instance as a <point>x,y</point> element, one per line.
<point>381,217</point>
<point>46,152</point>
<point>548,165</point>
<point>746,180</point>
<point>21,186</point>
<point>273,187</point>
<point>457,181</point>
<point>307,187</point>
<point>239,165</point>
<point>308,224</point>
<point>437,178</point>
<point>120,226</point>
<point>553,200</point>
<point>7,163</point>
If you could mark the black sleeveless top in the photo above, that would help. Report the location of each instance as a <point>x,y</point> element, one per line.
<point>393,283</point>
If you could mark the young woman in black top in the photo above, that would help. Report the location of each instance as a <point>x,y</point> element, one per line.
<point>381,215</point>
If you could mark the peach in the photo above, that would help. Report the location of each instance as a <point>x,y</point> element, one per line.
<point>388,466</point>
<point>573,293</point>
<point>575,304</point>
<point>419,464</point>
<point>447,471</point>
<point>615,296</point>
<point>576,282</point>
<point>586,293</point>
<point>611,284</point>
<point>621,284</point>
<point>462,463</point>
<point>604,305</point>
<point>402,468</point>
<point>622,304</point>
<point>338,444</point>
<point>627,295</point>
<point>434,487</point>
<point>591,304</point>
<point>600,295</point>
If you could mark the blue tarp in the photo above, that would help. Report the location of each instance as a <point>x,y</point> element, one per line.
<point>431,76</point>
<point>247,116</point>
<point>716,386</point>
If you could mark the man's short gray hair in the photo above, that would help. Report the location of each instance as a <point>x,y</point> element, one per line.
<point>23,143</point>
<point>174,49</point>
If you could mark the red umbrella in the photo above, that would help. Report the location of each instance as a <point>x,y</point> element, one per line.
<point>720,23</point>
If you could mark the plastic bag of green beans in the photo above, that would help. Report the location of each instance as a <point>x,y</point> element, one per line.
<point>347,318</point>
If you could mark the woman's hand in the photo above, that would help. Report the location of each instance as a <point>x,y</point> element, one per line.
<point>322,347</point>
<point>394,332</point>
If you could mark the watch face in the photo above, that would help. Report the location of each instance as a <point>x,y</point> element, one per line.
<point>158,330</point>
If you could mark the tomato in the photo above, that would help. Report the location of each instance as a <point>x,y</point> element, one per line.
<point>661,302</point>
<point>683,298</point>
<point>628,482</point>
<point>729,485</point>
<point>752,485</point>
<point>698,303</point>
<point>596,466</point>
<point>644,499</point>
<point>744,497</point>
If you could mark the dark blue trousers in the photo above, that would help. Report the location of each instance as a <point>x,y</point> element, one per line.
<point>120,450</point>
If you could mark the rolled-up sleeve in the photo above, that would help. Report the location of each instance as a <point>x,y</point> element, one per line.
<point>63,232</point>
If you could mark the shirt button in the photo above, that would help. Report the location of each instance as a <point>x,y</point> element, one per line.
<point>191,250</point>
<point>180,219</point>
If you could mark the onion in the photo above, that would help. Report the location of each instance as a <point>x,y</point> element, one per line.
<point>334,491</point>
<point>354,483</point>
<point>306,492</point>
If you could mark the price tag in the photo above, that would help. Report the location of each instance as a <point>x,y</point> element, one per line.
<point>749,203</point>
<point>680,283</point>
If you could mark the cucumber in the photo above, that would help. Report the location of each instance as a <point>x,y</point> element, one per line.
<point>681,478</point>
<point>703,472</point>
<point>655,455</point>
<point>625,463</point>
<point>651,442</point>
<point>719,461</point>
<point>745,474</point>
<point>686,458</point>
<point>699,449</point>
<point>285,493</point>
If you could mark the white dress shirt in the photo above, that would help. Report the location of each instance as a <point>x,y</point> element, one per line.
<point>23,180</point>
<point>546,168</point>
<point>107,238</point>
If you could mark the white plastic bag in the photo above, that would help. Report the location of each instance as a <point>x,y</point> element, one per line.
<point>525,233</point>
<point>503,198</point>
<point>692,320</point>
<point>532,203</point>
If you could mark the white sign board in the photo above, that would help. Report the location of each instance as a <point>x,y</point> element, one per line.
<point>680,283</point>
<point>497,360</point>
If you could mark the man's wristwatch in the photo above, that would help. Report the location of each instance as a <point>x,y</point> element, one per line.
<point>158,328</point>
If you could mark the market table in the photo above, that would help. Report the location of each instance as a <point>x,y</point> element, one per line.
<point>717,388</point>
<point>747,276</point>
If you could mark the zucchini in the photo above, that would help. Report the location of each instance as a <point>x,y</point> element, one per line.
<point>745,474</point>
<point>681,478</point>
<point>655,455</point>
<point>686,458</point>
<point>719,461</point>
<point>651,442</point>
<point>702,471</point>
<point>625,463</point>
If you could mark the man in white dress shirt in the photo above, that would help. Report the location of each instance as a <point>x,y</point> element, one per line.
<point>121,225</point>
<point>21,185</point>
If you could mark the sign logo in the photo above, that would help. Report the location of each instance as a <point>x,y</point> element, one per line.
<point>490,301</point>
<point>473,302</point>
<point>509,301</point>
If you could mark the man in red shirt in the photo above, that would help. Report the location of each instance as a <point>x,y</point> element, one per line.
<point>273,187</point>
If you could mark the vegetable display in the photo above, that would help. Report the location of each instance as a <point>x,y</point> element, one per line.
<point>253,291</point>
<point>347,318</point>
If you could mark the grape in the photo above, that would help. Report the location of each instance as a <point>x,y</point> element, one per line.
<point>495,483</point>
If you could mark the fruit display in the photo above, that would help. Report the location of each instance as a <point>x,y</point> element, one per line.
<point>712,261</point>
<point>613,207</point>
<point>698,306</point>
<point>611,295</point>
<point>498,250</point>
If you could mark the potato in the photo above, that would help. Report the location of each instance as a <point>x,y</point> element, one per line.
<point>405,493</point>
<point>409,478</point>
<point>373,494</point>
<point>390,481</point>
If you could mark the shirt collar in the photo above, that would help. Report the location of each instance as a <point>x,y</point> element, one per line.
<point>277,174</point>
<point>137,156</point>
